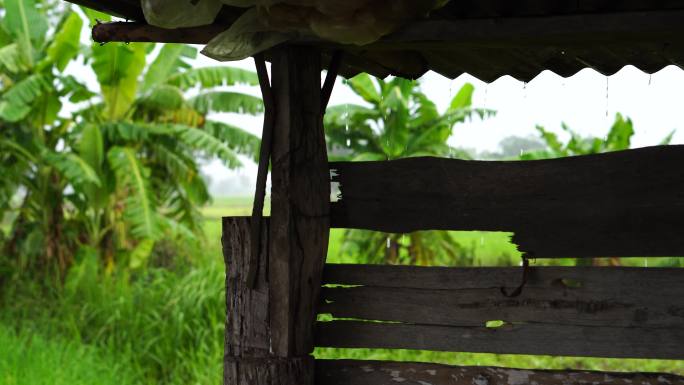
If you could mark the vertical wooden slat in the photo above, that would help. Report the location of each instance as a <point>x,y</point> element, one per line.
<point>300,195</point>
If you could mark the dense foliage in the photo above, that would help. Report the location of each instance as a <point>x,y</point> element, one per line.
<point>118,177</point>
<point>399,121</point>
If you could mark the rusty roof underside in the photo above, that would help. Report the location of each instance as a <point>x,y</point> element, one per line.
<point>520,38</point>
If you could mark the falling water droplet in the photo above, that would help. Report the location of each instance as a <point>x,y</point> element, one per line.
<point>403,239</point>
<point>522,152</point>
<point>388,242</point>
<point>524,90</point>
<point>607,81</point>
<point>481,241</point>
<point>650,78</point>
<point>348,142</point>
<point>485,96</point>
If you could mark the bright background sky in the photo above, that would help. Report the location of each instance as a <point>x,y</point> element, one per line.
<point>587,102</point>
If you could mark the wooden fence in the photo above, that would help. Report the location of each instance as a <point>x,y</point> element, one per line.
<point>628,203</point>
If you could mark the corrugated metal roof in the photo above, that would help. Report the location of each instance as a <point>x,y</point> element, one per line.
<point>520,38</point>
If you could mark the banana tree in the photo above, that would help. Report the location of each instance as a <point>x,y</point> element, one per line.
<point>398,121</point>
<point>121,173</point>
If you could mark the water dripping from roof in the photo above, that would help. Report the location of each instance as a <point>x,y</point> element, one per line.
<point>607,84</point>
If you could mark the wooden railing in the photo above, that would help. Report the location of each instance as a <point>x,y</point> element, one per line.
<point>563,311</point>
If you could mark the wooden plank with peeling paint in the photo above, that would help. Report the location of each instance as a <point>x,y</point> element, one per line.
<point>350,372</point>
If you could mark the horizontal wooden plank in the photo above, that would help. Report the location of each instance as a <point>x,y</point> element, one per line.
<point>537,339</point>
<point>351,372</point>
<point>599,296</point>
<point>475,307</point>
<point>625,203</point>
<point>638,280</point>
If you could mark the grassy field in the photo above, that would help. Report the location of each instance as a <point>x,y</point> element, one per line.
<point>165,326</point>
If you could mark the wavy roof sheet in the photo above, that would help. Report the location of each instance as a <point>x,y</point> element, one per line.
<point>520,38</point>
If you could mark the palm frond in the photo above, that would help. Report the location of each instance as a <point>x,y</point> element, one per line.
<point>204,141</point>
<point>236,138</point>
<point>15,104</point>
<point>209,77</point>
<point>226,101</point>
<point>140,209</point>
<point>171,59</point>
<point>72,167</point>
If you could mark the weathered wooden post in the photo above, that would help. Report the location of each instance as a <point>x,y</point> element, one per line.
<point>270,335</point>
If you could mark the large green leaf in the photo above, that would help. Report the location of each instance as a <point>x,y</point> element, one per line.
<point>28,26</point>
<point>620,134</point>
<point>138,257</point>
<point>163,97</point>
<point>66,43</point>
<point>11,59</point>
<point>209,77</point>
<point>72,167</point>
<point>363,85</point>
<point>170,60</point>
<point>117,67</point>
<point>140,206</point>
<point>15,104</point>
<point>463,98</point>
<point>226,101</point>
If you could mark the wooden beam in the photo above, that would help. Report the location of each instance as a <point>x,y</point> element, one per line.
<point>445,33</point>
<point>130,32</point>
<point>625,203</point>
<point>350,372</point>
<point>300,196</point>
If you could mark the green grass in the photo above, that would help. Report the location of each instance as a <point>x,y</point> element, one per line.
<point>28,358</point>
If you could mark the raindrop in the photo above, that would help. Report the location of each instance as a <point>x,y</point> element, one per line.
<point>562,52</point>
<point>403,239</point>
<point>522,152</point>
<point>388,242</point>
<point>607,81</point>
<point>348,142</point>
<point>346,118</point>
<point>650,78</point>
<point>485,96</point>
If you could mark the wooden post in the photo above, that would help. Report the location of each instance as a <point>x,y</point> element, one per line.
<point>269,328</point>
<point>248,359</point>
<point>300,200</point>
